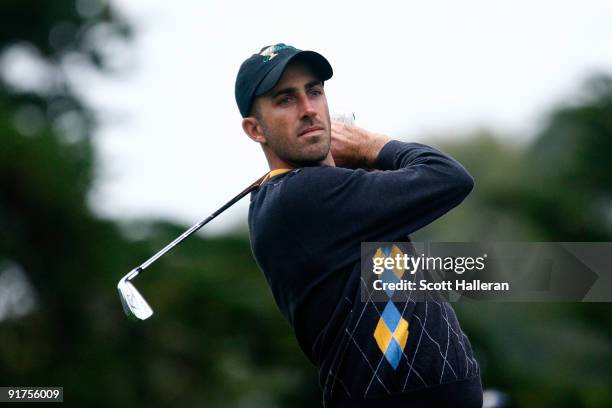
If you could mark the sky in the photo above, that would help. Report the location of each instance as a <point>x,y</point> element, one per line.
<point>170,143</point>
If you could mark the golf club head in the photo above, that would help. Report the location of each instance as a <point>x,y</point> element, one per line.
<point>134,305</point>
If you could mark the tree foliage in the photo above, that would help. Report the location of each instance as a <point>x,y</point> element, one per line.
<point>217,338</point>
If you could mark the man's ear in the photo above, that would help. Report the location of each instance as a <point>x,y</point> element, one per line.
<point>253,129</point>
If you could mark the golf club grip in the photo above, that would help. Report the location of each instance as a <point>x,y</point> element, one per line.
<point>199,225</point>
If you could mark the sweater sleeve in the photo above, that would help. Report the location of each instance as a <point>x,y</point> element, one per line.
<point>332,208</point>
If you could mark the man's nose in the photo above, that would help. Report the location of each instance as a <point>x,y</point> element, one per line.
<point>307,107</point>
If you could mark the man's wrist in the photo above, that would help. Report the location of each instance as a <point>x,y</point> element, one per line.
<point>373,147</point>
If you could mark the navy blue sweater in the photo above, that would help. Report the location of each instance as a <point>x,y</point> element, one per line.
<point>306,228</point>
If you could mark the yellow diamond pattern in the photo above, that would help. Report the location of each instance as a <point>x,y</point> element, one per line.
<point>401,333</point>
<point>394,252</point>
<point>382,335</point>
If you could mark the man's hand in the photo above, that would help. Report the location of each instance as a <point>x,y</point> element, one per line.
<point>353,147</point>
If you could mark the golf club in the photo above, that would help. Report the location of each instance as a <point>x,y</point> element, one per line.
<point>134,305</point>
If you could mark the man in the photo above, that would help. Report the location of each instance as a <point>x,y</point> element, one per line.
<point>332,186</point>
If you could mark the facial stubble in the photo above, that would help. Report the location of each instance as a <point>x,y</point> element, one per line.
<point>298,154</point>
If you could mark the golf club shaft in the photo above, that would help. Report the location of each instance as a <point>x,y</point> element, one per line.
<point>196,227</point>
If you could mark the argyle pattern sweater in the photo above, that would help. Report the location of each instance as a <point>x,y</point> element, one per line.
<point>306,227</point>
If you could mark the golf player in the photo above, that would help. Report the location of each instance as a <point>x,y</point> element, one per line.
<point>331,187</point>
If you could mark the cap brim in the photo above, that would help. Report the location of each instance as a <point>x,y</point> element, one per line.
<point>319,65</point>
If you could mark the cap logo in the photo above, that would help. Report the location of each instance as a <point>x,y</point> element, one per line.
<point>272,51</point>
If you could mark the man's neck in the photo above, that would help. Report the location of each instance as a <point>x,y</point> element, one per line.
<point>281,164</point>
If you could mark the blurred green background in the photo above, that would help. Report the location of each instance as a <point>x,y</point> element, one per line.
<point>217,340</point>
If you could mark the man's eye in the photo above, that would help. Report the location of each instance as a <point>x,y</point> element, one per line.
<point>284,101</point>
<point>316,92</point>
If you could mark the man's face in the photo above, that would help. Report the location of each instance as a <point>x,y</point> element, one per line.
<point>294,118</point>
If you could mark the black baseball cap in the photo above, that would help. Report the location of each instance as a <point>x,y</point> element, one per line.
<point>261,71</point>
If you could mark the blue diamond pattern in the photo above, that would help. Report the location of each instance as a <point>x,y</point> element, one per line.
<point>389,277</point>
<point>393,353</point>
<point>391,316</point>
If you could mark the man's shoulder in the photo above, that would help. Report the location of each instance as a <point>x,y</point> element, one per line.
<point>317,174</point>
<point>304,186</point>
<point>312,180</point>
